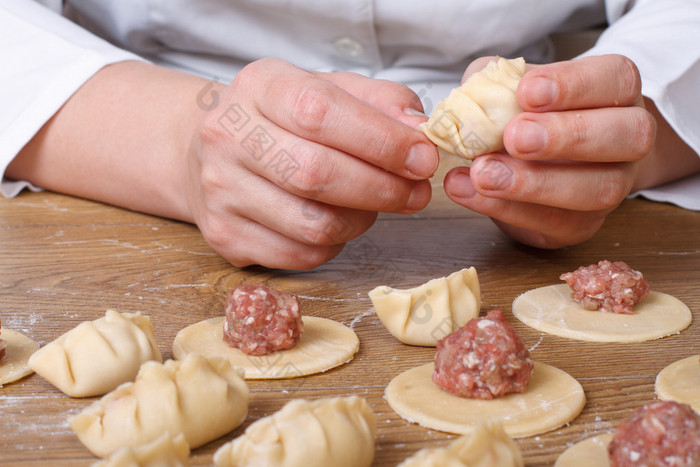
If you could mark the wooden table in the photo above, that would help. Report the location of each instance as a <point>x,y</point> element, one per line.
<point>65,260</point>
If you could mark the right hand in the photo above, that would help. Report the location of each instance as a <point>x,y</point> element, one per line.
<point>292,164</point>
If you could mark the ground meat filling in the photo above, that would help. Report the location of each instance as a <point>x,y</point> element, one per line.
<point>260,320</point>
<point>660,434</point>
<point>612,287</point>
<point>483,359</point>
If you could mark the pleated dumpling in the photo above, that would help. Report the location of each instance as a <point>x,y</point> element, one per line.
<point>423,315</point>
<point>165,451</point>
<point>470,121</point>
<point>487,446</point>
<point>336,432</point>
<point>202,397</point>
<point>97,356</point>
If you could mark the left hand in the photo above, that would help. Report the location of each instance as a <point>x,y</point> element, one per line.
<point>572,156</point>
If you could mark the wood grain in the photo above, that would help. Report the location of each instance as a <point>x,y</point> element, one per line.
<point>66,260</point>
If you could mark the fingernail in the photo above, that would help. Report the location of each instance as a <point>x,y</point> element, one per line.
<point>529,136</point>
<point>461,186</point>
<point>493,174</point>
<point>541,92</point>
<point>413,112</point>
<point>422,160</point>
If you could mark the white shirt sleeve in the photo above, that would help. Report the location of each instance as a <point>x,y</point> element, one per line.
<point>662,37</point>
<point>44,59</point>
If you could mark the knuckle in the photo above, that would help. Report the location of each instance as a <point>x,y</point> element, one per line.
<point>310,105</point>
<point>209,131</point>
<point>630,79</point>
<point>643,127</point>
<point>613,192</point>
<point>328,229</point>
<point>315,171</point>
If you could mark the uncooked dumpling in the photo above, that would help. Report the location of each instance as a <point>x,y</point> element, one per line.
<point>487,446</point>
<point>423,315</point>
<point>166,451</point>
<point>202,397</point>
<point>97,356</point>
<point>19,348</point>
<point>336,432</point>
<point>470,121</point>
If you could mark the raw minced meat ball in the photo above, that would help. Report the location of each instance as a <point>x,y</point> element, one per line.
<point>613,287</point>
<point>260,320</point>
<point>483,359</point>
<point>660,434</point>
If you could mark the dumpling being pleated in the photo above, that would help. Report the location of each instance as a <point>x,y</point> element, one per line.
<point>97,356</point>
<point>336,432</point>
<point>487,446</point>
<point>202,397</point>
<point>470,121</point>
<point>423,315</point>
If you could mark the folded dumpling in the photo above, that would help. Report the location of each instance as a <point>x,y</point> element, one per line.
<point>470,121</point>
<point>97,356</point>
<point>202,397</point>
<point>425,314</point>
<point>166,451</point>
<point>487,446</point>
<point>336,432</point>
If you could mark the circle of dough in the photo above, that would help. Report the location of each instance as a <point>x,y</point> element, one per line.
<point>323,345</point>
<point>14,364</point>
<point>591,452</point>
<point>552,399</point>
<point>552,310</point>
<point>680,382</point>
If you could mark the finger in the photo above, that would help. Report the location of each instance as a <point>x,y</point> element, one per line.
<point>305,220</point>
<point>244,243</point>
<point>314,171</point>
<point>595,135</point>
<point>318,110</point>
<point>394,99</point>
<point>568,185</point>
<point>588,82</point>
<point>532,224</point>
<point>477,65</point>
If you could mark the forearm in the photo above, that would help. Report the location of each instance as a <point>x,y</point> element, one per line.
<point>122,139</point>
<point>671,158</point>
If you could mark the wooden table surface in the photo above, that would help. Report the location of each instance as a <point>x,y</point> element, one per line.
<point>65,260</point>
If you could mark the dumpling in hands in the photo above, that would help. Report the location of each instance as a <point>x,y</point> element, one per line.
<point>202,397</point>
<point>336,432</point>
<point>423,315</point>
<point>97,356</point>
<point>470,121</point>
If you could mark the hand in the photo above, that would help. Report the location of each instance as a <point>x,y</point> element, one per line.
<point>572,156</point>
<point>291,164</point>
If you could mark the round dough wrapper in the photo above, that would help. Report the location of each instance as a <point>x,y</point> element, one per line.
<point>680,382</point>
<point>552,310</point>
<point>14,364</point>
<point>552,399</point>
<point>323,345</point>
<point>592,452</point>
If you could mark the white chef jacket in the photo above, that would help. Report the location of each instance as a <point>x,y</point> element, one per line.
<point>48,51</point>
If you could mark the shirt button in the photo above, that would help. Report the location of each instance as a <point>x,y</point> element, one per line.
<point>348,47</point>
